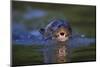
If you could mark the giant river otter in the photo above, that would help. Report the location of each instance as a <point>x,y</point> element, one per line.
<point>59,31</point>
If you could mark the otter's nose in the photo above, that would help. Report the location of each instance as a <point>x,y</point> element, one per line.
<point>62,34</point>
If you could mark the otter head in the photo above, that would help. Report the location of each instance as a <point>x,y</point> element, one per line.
<point>58,30</point>
<point>62,34</point>
<point>62,30</point>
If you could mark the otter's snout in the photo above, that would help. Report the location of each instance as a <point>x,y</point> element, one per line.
<point>62,34</point>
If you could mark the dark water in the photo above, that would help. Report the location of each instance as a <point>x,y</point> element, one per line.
<point>49,46</point>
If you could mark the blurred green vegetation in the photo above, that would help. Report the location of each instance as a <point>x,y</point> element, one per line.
<point>81,17</point>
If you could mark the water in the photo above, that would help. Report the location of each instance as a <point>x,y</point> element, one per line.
<point>36,39</point>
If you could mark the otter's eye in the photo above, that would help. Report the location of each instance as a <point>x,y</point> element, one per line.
<point>56,35</point>
<point>67,35</point>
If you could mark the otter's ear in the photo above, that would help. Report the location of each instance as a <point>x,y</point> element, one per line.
<point>42,30</point>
